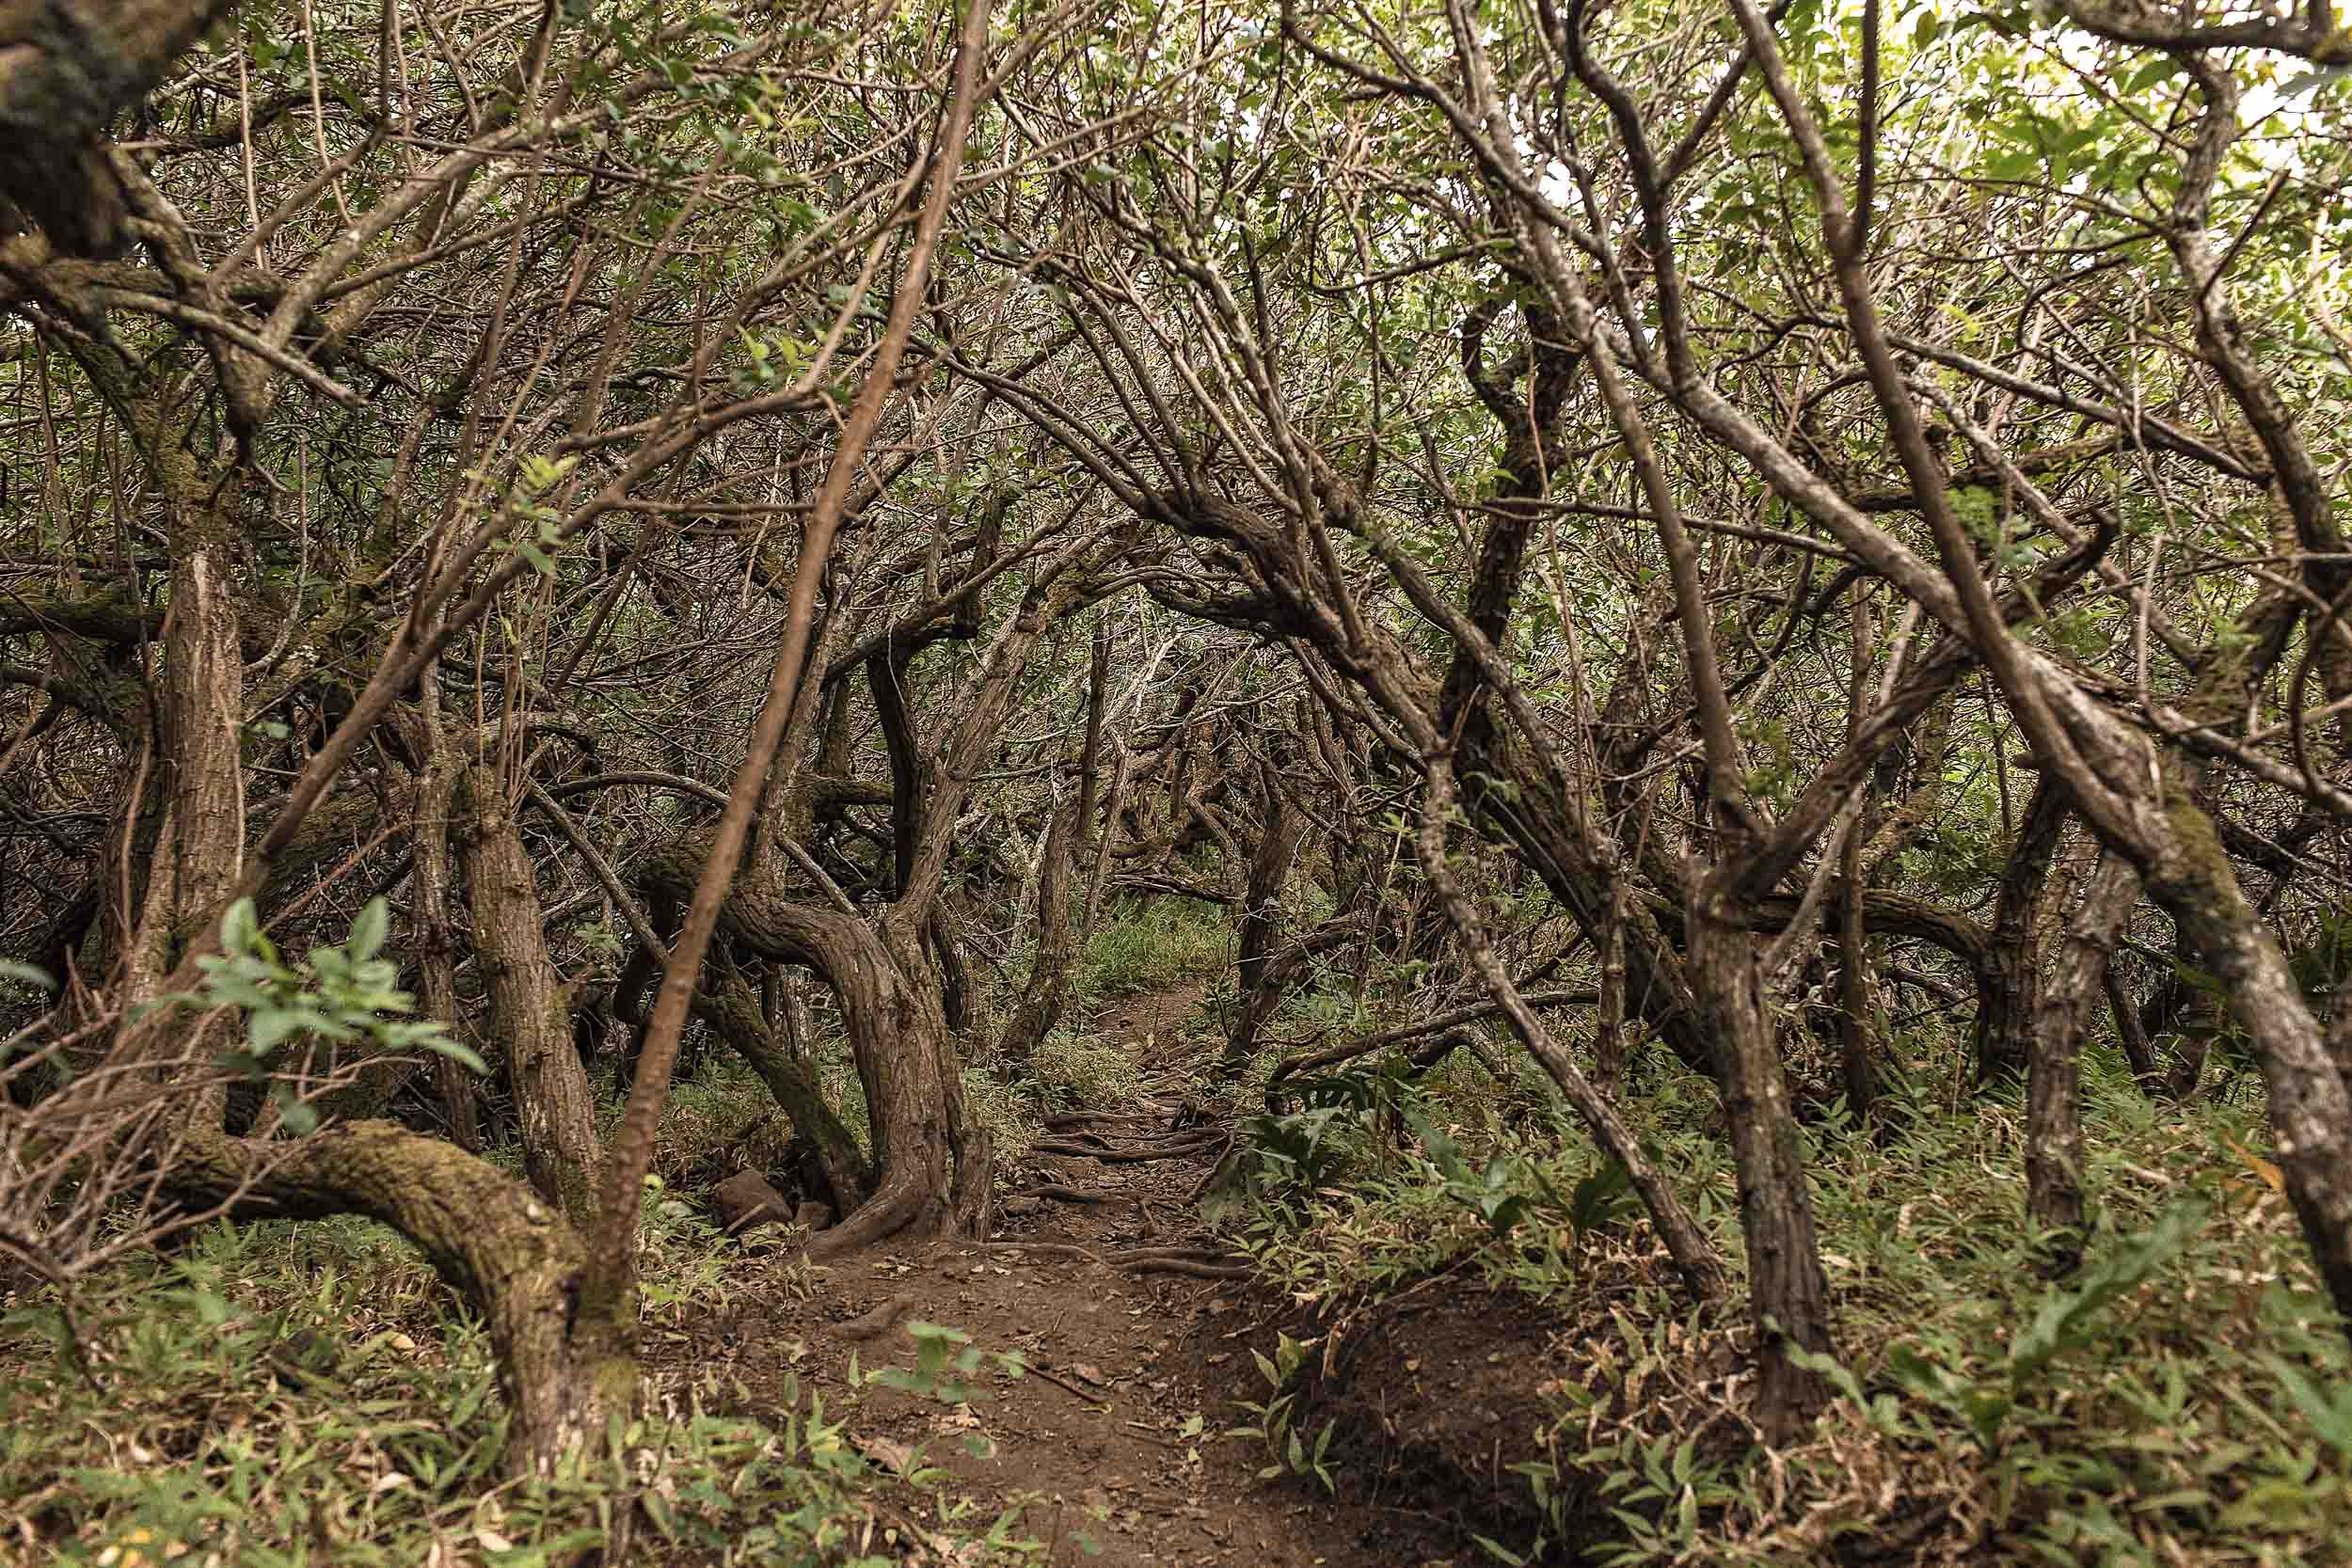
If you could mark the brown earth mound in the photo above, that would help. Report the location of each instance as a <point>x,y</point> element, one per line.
<point>1433,1396</point>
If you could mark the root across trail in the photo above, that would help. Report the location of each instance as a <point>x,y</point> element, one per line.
<point>1111,1444</point>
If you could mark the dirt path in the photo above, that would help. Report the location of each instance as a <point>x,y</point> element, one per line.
<point>1110,1448</point>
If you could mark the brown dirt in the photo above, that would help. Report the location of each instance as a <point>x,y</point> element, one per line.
<point>1111,1449</point>
<point>1433,1394</point>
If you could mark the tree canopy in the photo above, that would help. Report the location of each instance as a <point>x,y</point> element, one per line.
<point>1791,547</point>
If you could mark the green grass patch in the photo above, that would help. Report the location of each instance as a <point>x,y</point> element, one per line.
<point>309,1393</point>
<point>1146,945</point>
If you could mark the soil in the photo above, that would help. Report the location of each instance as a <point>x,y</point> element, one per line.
<point>1109,1450</point>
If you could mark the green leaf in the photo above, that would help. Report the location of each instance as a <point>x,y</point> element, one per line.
<point>367,931</point>
<point>270,1027</point>
<point>300,1117</point>
<point>240,929</point>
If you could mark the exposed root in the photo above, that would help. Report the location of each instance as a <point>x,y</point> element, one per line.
<point>1127,1156</point>
<point>888,1212</point>
<point>876,1324</point>
<point>1049,1249</point>
<point>1197,1262</point>
<point>1060,1194</point>
<point>1189,1267</point>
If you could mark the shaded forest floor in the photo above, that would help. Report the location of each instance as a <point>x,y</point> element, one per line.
<point>309,1393</point>
<point>1110,1445</point>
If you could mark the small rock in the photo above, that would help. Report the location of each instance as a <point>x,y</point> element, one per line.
<point>813,1216</point>
<point>745,1200</point>
<point>1021,1205</point>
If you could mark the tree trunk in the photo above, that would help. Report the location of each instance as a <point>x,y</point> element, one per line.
<point>2130,1034</point>
<point>1854,945</point>
<point>2311,1109</point>
<point>898,1032</point>
<point>2011,965</point>
<point>1260,923</point>
<point>2054,1192</point>
<point>437,946</point>
<point>1787,1292</point>
<point>1694,1259</point>
<point>66,68</point>
<point>552,1095</point>
<point>512,1258</point>
<point>1047,988</point>
<point>728,1007</point>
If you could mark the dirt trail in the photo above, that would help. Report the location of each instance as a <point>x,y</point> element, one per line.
<point>1093,1445</point>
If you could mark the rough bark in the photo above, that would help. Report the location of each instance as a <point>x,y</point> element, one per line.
<point>897,1033</point>
<point>1787,1292</point>
<point>511,1257</point>
<point>728,1007</point>
<point>2310,1107</point>
<point>1046,989</point>
<point>2068,989</point>
<point>1282,827</point>
<point>2010,967</point>
<point>437,946</point>
<point>552,1099</point>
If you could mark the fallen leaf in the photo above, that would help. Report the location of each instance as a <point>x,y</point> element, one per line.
<point>894,1457</point>
<point>2269,1175</point>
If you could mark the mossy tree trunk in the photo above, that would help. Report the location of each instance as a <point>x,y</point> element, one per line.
<point>515,1258</point>
<point>511,1257</point>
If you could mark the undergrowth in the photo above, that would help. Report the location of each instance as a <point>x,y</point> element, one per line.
<point>1141,947</point>
<point>282,1394</point>
<point>2181,1399</point>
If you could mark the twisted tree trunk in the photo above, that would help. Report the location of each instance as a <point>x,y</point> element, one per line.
<point>1282,825</point>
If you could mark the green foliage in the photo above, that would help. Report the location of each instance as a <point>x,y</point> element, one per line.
<point>1287,1447</point>
<point>285,1394</point>
<point>943,1358</point>
<point>338,995</point>
<point>1506,1190</point>
<point>1151,945</point>
<point>2184,1397</point>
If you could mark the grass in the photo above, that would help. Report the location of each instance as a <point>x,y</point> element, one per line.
<point>1146,946</point>
<point>282,1394</point>
<point>2182,1399</point>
